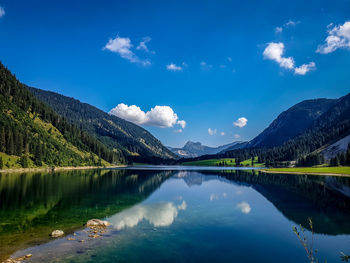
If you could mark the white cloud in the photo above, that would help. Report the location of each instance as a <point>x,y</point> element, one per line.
<point>123,46</point>
<point>182,123</point>
<point>274,51</point>
<point>338,37</point>
<point>291,23</point>
<point>211,131</point>
<point>183,205</point>
<point>240,122</point>
<point>222,133</point>
<point>244,207</point>
<point>2,11</point>
<point>159,116</point>
<point>305,68</point>
<point>278,29</point>
<point>143,45</point>
<point>205,66</point>
<point>236,136</point>
<point>158,215</point>
<point>178,131</point>
<point>173,67</point>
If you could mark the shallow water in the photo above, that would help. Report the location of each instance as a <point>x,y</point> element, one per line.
<point>173,214</point>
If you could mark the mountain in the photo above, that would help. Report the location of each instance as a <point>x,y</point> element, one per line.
<point>33,134</point>
<point>329,127</point>
<point>114,132</point>
<point>292,122</point>
<point>195,149</point>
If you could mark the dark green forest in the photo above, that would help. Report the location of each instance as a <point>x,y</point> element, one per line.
<point>33,131</point>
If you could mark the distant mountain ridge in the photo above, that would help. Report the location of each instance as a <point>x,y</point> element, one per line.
<point>195,149</point>
<point>114,132</point>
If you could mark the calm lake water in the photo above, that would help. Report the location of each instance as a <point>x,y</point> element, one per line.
<point>173,214</point>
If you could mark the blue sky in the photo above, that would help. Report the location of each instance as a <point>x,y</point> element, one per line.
<point>210,62</point>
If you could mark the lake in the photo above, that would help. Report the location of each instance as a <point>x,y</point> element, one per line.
<point>173,214</point>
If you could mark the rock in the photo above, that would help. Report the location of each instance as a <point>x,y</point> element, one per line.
<point>71,238</point>
<point>57,233</point>
<point>97,223</point>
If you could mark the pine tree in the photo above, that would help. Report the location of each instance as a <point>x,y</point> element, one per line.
<point>348,155</point>
<point>2,140</point>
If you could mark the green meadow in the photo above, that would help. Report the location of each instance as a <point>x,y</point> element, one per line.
<point>224,162</point>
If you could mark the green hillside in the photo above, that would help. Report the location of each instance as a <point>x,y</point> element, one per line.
<point>114,132</point>
<point>32,134</point>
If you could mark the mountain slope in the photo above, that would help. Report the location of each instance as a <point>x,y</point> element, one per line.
<point>114,132</point>
<point>31,130</point>
<point>195,149</point>
<point>292,122</point>
<point>331,126</point>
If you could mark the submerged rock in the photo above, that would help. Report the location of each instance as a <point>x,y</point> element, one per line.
<point>97,223</point>
<point>57,233</point>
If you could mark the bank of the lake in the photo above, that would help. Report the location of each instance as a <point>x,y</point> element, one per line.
<point>329,171</point>
<point>63,168</point>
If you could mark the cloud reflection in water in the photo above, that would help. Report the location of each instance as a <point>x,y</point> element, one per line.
<point>158,215</point>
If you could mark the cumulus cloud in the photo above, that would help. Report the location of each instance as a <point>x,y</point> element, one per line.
<point>211,131</point>
<point>305,68</point>
<point>182,123</point>
<point>159,116</point>
<point>274,51</point>
<point>338,37</point>
<point>240,122</point>
<point>158,215</point>
<point>122,46</point>
<point>2,11</point>
<point>143,45</point>
<point>173,67</point>
<point>244,207</point>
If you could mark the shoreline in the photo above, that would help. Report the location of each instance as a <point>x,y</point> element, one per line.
<point>63,168</point>
<point>308,173</point>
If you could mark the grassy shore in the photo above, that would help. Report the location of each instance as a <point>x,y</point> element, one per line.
<point>339,170</point>
<point>49,169</point>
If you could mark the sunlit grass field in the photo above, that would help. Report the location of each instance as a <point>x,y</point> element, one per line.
<point>329,170</point>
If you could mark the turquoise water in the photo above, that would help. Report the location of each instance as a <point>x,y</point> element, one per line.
<point>172,215</point>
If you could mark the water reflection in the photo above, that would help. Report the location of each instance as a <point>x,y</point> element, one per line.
<point>297,197</point>
<point>32,205</point>
<point>158,215</point>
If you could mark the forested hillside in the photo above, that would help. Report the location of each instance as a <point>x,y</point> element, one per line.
<point>32,134</point>
<point>114,132</point>
<point>331,126</point>
<point>292,122</point>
